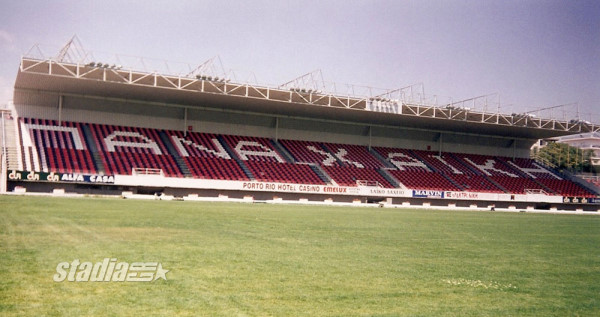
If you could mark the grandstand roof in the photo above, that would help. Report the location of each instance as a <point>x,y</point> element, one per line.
<point>107,82</point>
<point>591,135</point>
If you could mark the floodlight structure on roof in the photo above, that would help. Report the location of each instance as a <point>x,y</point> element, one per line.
<point>412,94</point>
<point>484,103</point>
<point>242,77</point>
<point>72,52</point>
<point>563,111</point>
<point>211,70</point>
<point>568,111</point>
<point>568,114</point>
<point>313,83</point>
<point>307,83</point>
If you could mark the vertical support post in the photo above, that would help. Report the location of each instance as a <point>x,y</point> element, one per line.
<point>276,129</point>
<point>514,149</point>
<point>61,99</point>
<point>370,137</point>
<point>185,126</point>
<point>441,144</point>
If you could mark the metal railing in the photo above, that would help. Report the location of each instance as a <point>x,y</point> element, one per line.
<point>144,171</point>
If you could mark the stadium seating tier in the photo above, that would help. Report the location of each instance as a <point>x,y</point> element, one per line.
<point>74,147</point>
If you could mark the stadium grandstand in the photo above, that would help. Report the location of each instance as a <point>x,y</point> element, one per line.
<point>79,125</point>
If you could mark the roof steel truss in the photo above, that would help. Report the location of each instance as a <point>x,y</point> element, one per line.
<point>219,86</point>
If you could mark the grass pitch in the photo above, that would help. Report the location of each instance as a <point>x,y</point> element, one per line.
<point>229,259</point>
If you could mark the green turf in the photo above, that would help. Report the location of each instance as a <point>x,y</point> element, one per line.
<point>242,259</point>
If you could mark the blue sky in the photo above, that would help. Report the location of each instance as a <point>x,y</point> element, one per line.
<point>533,53</point>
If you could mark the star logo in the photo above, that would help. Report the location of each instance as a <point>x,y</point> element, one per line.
<point>160,273</point>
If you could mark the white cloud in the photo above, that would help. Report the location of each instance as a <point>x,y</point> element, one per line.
<point>7,40</point>
<point>5,36</point>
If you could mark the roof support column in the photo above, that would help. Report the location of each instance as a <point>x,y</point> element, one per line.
<point>441,143</point>
<point>61,99</point>
<point>370,137</point>
<point>276,129</point>
<point>185,126</point>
